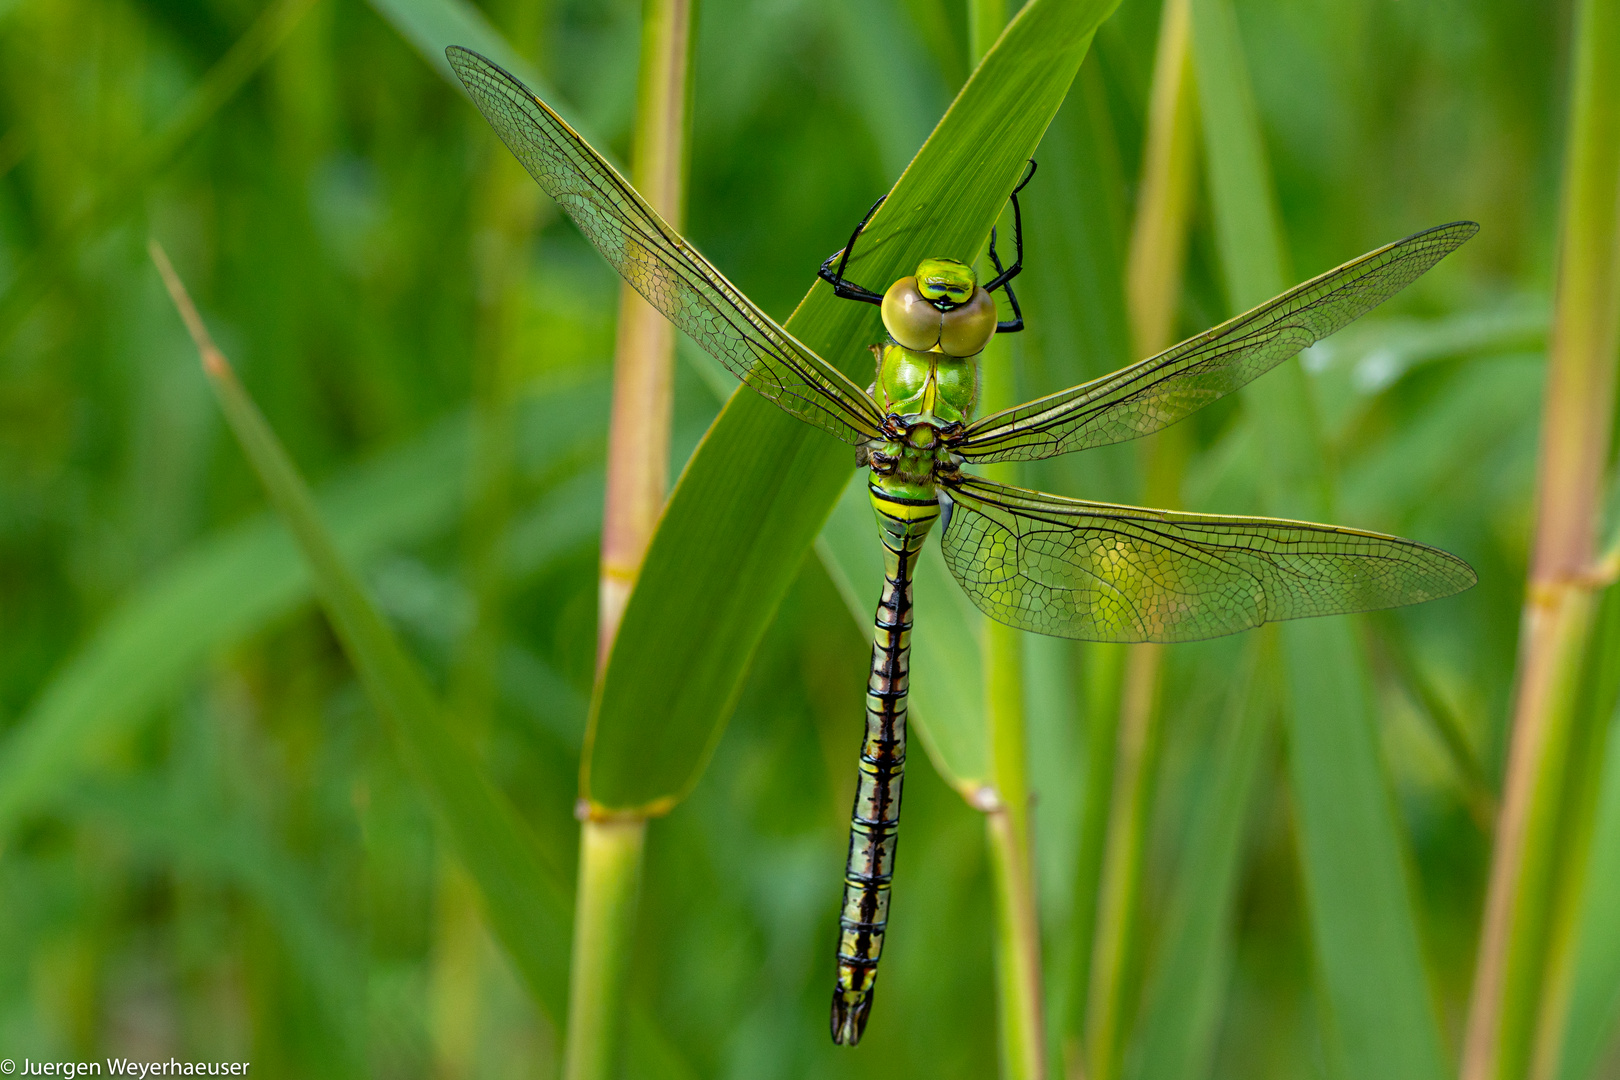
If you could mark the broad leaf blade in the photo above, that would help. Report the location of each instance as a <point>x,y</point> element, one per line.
<point>759,487</point>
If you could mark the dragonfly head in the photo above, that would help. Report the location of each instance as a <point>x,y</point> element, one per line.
<point>946,283</point>
<point>941,307</point>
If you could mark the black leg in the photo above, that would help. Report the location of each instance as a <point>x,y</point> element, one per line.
<point>842,287</point>
<point>1016,323</point>
<point>1004,276</point>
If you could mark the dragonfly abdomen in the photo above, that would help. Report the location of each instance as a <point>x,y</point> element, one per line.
<point>903,524</point>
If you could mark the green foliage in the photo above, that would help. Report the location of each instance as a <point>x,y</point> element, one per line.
<point>211,844</point>
<point>521,882</point>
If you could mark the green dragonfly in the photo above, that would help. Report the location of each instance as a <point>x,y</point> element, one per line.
<point>1035,561</point>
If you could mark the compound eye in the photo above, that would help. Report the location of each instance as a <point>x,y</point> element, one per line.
<point>908,316</point>
<point>967,329</point>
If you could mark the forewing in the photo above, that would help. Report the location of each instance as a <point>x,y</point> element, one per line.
<point>659,264</point>
<point>1116,573</point>
<point>1163,389</point>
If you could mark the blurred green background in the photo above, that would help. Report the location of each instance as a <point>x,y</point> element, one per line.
<point>208,846</point>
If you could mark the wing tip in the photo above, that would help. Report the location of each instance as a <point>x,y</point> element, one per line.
<point>460,57</point>
<point>1451,235</point>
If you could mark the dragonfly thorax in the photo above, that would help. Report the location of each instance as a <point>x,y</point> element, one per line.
<point>926,386</point>
<point>915,457</point>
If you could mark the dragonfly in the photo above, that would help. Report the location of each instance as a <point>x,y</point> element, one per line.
<point>1039,562</point>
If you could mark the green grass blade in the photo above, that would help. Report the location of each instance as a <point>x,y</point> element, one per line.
<point>1380,1012</point>
<point>1572,1011</point>
<point>525,896</point>
<point>1175,1036</point>
<point>229,585</point>
<point>760,486</point>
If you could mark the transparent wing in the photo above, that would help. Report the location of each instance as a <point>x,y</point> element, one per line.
<point>1116,573</point>
<point>659,264</point>
<point>1157,392</point>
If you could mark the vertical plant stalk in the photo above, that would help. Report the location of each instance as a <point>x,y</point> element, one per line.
<point>1020,1006</point>
<point>1120,890</point>
<point>1577,417</point>
<point>637,478</point>
<point>1592,700</point>
<point>1153,289</point>
<point>1104,668</point>
<point>457,974</point>
<point>604,923</point>
<point>644,353</point>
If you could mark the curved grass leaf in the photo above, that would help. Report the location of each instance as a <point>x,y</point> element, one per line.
<point>1175,1037</point>
<point>761,484</point>
<point>1379,1009</point>
<point>526,898</point>
<point>230,585</point>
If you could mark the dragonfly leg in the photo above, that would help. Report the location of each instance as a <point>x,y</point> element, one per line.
<point>842,286</point>
<point>1004,276</point>
<point>1016,323</point>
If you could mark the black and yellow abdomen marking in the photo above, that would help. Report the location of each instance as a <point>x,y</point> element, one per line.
<point>903,524</point>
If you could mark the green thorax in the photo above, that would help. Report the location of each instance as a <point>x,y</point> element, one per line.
<point>927,386</point>
<point>929,392</point>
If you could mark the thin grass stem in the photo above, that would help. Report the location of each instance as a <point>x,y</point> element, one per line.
<point>1153,289</point>
<point>637,481</point>
<point>1120,893</point>
<point>604,921</point>
<point>644,352</point>
<point>1103,666</point>
<point>1020,1005</point>
<point>1577,416</point>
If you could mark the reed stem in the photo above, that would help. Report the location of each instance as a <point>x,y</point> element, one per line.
<point>1020,1006</point>
<point>1577,416</point>
<point>1120,890</point>
<point>644,352</point>
<point>637,480</point>
<point>1020,1009</point>
<point>1103,666</point>
<point>604,922</point>
<point>1153,289</point>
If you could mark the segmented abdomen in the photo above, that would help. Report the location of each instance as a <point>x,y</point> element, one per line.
<point>903,524</point>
